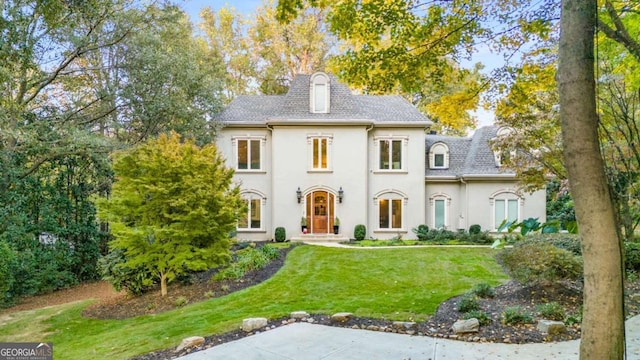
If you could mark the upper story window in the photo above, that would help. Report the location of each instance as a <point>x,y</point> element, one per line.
<point>503,156</point>
<point>391,153</point>
<point>249,152</point>
<point>320,152</point>
<point>319,100</point>
<point>439,156</point>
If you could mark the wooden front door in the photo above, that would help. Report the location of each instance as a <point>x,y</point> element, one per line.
<point>320,212</point>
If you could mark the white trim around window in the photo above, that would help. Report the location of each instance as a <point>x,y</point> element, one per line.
<point>505,204</point>
<point>439,205</point>
<point>391,208</point>
<point>391,153</point>
<point>248,153</point>
<point>320,152</point>
<point>439,156</point>
<point>254,219</point>
<point>319,93</point>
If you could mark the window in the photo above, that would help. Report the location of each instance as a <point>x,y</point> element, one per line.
<point>319,91</point>
<point>320,153</point>
<point>391,208</point>
<point>390,213</point>
<point>439,210</point>
<point>253,218</point>
<point>506,206</point>
<point>391,153</point>
<point>249,153</point>
<point>320,98</point>
<point>502,155</point>
<point>439,156</point>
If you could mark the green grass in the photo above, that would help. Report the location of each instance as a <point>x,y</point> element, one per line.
<point>385,283</point>
<point>375,243</point>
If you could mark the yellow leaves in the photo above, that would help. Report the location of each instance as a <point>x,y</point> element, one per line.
<point>452,111</point>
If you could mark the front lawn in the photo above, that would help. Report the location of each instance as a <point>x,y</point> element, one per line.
<point>406,283</point>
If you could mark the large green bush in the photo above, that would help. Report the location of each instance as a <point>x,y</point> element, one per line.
<point>475,229</point>
<point>533,263</point>
<point>359,232</point>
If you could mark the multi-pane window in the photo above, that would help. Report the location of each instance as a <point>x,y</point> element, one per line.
<point>390,213</point>
<point>249,154</point>
<point>320,153</point>
<point>390,154</point>
<point>253,217</point>
<point>505,209</point>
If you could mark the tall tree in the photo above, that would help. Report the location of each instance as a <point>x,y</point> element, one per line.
<point>172,208</point>
<point>603,320</point>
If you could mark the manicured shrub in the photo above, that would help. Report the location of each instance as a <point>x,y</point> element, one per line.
<point>514,315</point>
<point>540,263</point>
<point>468,302</point>
<point>475,229</point>
<point>552,311</point>
<point>359,232</point>
<point>632,256</point>
<point>483,290</point>
<point>422,232</point>
<point>482,317</point>
<point>569,242</point>
<point>280,234</point>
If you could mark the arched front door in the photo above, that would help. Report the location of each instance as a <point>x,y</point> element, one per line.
<point>320,211</point>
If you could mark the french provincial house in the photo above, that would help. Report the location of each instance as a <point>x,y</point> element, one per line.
<point>320,153</point>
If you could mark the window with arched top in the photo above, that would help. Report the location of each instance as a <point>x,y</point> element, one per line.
<point>253,218</point>
<point>439,204</point>
<point>503,156</point>
<point>391,209</point>
<point>506,207</point>
<point>320,88</point>
<point>439,156</point>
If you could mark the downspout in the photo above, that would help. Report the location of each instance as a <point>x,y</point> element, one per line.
<point>271,201</point>
<point>466,201</point>
<point>368,177</point>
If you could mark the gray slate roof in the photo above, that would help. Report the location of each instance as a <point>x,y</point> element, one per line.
<point>467,156</point>
<point>345,106</point>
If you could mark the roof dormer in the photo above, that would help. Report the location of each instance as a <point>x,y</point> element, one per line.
<point>320,86</point>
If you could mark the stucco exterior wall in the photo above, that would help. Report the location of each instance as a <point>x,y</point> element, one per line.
<point>407,184</point>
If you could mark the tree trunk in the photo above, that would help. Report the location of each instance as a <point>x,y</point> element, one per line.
<point>163,284</point>
<point>603,320</point>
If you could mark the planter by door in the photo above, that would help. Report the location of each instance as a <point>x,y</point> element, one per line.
<point>336,229</point>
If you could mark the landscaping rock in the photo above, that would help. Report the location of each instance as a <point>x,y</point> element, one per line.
<point>466,326</point>
<point>190,342</point>
<point>253,324</point>
<point>405,325</point>
<point>299,315</point>
<point>551,327</point>
<point>341,317</point>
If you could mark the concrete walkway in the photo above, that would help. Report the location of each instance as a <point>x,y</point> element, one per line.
<point>302,341</point>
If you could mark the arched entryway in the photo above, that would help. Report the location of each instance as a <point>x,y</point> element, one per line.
<point>320,211</point>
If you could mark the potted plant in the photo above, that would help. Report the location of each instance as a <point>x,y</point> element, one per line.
<point>336,225</point>
<point>303,224</point>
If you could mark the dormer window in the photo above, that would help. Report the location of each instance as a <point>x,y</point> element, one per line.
<point>319,100</point>
<point>503,156</point>
<point>439,156</point>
